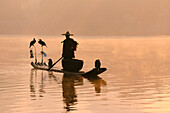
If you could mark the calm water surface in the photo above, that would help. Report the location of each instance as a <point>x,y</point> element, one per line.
<point>137,79</point>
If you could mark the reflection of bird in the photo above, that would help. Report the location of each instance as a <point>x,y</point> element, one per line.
<point>32,42</point>
<point>96,80</point>
<point>97,64</point>
<point>42,43</point>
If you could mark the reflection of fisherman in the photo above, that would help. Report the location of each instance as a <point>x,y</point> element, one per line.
<point>69,46</point>
<point>69,91</point>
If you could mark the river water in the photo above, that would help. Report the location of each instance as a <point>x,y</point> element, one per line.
<point>137,79</point>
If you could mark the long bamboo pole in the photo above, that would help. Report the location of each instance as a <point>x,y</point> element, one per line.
<point>42,55</point>
<point>35,55</point>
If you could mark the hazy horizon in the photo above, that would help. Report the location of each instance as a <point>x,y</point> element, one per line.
<point>95,18</point>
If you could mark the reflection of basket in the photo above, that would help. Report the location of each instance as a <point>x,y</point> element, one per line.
<point>73,65</point>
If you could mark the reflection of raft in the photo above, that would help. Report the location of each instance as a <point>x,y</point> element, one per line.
<point>73,65</point>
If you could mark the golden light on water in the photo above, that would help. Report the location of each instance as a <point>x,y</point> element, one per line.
<point>137,79</point>
<point>130,37</point>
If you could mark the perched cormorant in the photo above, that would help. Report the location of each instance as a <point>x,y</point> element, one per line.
<point>32,42</point>
<point>50,62</point>
<point>97,64</point>
<point>42,43</point>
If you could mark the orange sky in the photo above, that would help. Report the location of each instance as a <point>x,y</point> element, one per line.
<point>85,17</point>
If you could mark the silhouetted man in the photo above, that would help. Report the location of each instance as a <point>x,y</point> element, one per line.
<point>69,46</point>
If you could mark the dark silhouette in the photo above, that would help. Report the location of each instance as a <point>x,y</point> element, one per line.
<point>95,71</point>
<point>45,64</point>
<point>39,63</point>
<point>72,65</point>
<point>97,64</point>
<point>42,43</point>
<point>69,46</point>
<point>31,54</point>
<point>54,63</point>
<point>50,62</point>
<point>32,42</point>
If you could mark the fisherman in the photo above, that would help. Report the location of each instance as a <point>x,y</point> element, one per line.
<point>69,46</point>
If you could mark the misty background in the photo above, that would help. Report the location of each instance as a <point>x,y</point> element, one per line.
<point>85,17</point>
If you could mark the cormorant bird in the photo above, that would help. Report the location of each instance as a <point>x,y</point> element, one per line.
<point>97,64</point>
<point>32,42</point>
<point>42,43</point>
<point>50,62</point>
